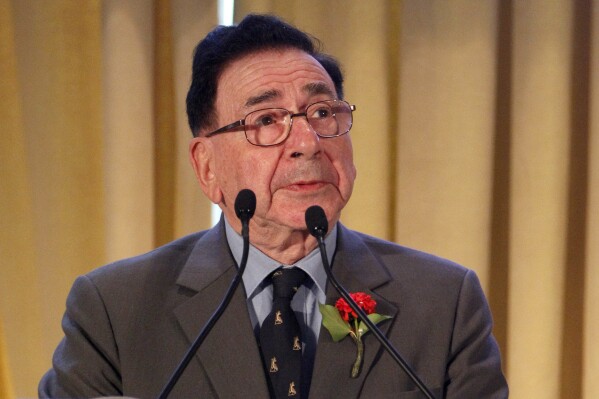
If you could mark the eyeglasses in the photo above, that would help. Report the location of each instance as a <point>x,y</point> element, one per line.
<point>271,126</point>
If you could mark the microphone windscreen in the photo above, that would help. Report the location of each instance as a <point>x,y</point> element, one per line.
<point>316,221</point>
<point>245,204</point>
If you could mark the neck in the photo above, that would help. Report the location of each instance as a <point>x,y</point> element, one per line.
<point>283,244</point>
<point>287,248</point>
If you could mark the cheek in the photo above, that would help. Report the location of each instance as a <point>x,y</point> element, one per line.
<point>343,162</point>
<point>249,168</point>
<point>259,174</point>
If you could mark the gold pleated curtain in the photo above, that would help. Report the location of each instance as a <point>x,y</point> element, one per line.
<point>476,138</point>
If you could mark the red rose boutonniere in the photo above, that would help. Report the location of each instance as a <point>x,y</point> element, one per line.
<point>341,321</point>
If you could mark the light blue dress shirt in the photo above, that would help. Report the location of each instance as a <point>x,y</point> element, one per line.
<point>305,301</point>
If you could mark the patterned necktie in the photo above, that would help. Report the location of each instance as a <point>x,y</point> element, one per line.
<point>280,339</point>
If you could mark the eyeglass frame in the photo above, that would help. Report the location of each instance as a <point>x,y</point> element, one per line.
<point>241,122</point>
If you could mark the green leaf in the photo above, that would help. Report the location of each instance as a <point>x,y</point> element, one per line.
<point>373,317</point>
<point>333,322</point>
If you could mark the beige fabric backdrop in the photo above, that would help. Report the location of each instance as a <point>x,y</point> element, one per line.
<point>476,138</point>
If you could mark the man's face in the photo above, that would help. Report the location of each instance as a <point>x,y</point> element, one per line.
<point>289,177</point>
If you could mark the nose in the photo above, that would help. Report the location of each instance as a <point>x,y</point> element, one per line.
<point>303,140</point>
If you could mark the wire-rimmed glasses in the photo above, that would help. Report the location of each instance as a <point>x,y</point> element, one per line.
<point>271,126</point>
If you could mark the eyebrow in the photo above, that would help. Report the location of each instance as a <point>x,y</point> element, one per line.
<point>262,97</point>
<point>318,88</point>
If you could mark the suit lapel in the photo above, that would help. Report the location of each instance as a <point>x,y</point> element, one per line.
<point>230,349</point>
<point>357,270</point>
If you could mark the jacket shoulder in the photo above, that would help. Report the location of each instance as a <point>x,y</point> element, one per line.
<point>405,261</point>
<point>167,259</point>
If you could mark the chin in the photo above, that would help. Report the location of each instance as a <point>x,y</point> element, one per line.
<point>297,219</point>
<point>291,211</point>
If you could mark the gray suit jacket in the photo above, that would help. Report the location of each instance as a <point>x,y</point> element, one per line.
<point>127,325</point>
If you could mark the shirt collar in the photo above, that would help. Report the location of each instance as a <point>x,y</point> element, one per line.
<point>259,265</point>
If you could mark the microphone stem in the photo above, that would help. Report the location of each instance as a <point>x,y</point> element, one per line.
<point>371,326</point>
<point>215,316</point>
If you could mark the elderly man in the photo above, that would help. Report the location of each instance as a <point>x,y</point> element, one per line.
<point>267,114</point>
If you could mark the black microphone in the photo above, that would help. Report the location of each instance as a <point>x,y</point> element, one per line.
<point>245,205</point>
<point>318,225</point>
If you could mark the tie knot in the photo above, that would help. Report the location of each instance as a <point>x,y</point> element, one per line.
<point>285,282</point>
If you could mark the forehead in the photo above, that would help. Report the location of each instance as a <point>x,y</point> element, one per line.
<point>271,75</point>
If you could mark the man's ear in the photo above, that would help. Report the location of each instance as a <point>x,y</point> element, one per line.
<point>201,155</point>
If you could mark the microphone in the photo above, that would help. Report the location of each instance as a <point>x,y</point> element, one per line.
<point>245,206</point>
<point>318,225</point>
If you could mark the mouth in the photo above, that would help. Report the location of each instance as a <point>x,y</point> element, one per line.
<point>306,186</point>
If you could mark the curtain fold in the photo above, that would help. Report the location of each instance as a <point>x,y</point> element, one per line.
<point>590,330</point>
<point>476,138</point>
<point>191,20</point>
<point>165,131</point>
<point>539,183</point>
<point>128,102</point>
<point>6,390</point>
